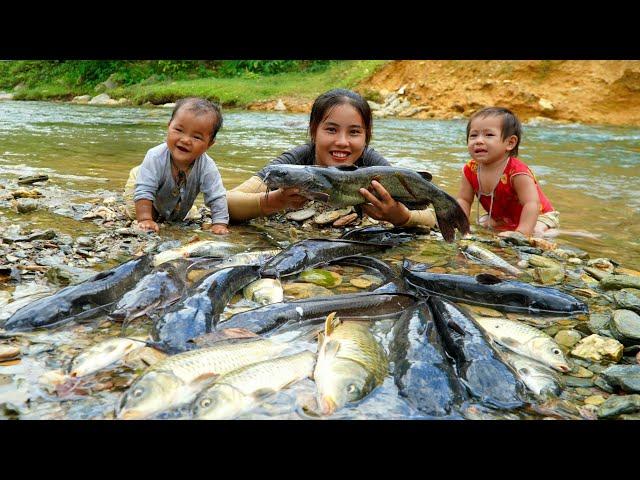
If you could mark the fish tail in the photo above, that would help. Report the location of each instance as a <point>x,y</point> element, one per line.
<point>451,218</point>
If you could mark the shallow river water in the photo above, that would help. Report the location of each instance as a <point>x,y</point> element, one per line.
<point>590,174</point>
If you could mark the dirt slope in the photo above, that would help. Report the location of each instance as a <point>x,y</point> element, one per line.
<point>586,91</point>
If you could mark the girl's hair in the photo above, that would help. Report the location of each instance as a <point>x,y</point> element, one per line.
<point>200,106</point>
<point>510,124</point>
<point>339,96</point>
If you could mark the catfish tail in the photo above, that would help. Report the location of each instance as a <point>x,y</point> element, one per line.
<point>451,218</point>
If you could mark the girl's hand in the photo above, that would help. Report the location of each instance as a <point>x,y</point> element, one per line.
<point>148,225</point>
<point>383,206</point>
<point>219,229</point>
<point>282,199</point>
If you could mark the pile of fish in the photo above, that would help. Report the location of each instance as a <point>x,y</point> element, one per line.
<point>227,337</point>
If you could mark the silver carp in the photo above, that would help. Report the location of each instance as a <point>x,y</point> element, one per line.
<point>483,255</point>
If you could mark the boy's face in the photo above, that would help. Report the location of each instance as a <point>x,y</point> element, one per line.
<point>189,136</point>
<point>340,138</point>
<point>485,142</point>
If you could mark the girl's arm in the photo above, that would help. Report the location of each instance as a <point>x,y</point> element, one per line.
<point>465,196</point>
<point>527,193</point>
<point>250,200</point>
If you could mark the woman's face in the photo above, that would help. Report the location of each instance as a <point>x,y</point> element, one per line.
<point>341,137</point>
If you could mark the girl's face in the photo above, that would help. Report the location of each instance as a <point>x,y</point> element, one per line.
<point>485,142</point>
<point>189,136</point>
<point>341,137</point>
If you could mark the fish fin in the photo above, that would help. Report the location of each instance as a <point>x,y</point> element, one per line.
<point>331,349</point>
<point>263,393</point>
<point>451,217</point>
<point>509,342</point>
<point>331,323</point>
<point>406,186</point>
<point>455,327</point>
<point>320,196</point>
<point>320,339</point>
<point>488,279</point>
<point>205,377</point>
<point>426,175</point>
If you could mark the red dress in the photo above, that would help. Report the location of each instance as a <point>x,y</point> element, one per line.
<point>506,206</point>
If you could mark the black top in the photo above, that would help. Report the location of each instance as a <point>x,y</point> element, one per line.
<point>306,155</point>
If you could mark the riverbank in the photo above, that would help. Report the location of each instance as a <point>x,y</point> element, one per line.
<point>574,91</point>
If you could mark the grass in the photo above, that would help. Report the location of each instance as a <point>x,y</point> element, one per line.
<point>237,91</point>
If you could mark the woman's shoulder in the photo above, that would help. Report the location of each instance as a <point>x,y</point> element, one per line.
<point>371,158</point>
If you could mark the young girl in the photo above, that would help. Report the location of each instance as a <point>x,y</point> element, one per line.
<point>504,185</point>
<point>340,132</point>
<point>172,174</point>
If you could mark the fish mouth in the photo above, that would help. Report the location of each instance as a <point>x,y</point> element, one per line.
<point>564,368</point>
<point>327,405</point>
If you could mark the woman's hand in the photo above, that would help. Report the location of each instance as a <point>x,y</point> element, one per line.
<point>219,229</point>
<point>148,225</point>
<point>282,199</point>
<point>383,206</point>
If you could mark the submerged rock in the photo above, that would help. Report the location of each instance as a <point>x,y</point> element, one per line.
<point>301,215</point>
<point>617,404</point>
<point>617,282</point>
<point>628,299</point>
<point>625,326</point>
<point>26,205</point>
<point>627,377</point>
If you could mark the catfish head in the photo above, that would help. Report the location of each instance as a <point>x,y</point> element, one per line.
<point>311,184</point>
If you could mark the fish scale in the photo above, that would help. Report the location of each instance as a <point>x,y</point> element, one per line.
<point>218,359</point>
<point>355,344</point>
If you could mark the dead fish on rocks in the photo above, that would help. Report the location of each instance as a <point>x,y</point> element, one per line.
<point>154,291</point>
<point>241,390</point>
<point>199,248</point>
<point>312,252</point>
<point>350,364</point>
<point>479,367</point>
<point>200,307</point>
<point>486,257</point>
<point>85,300</point>
<point>525,340</point>
<point>537,377</point>
<point>102,355</point>
<point>178,378</point>
<point>340,187</point>
<point>491,291</point>
<point>422,371</point>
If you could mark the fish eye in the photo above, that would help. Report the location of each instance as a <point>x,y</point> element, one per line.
<point>556,351</point>
<point>205,402</point>
<point>351,388</point>
<point>137,393</point>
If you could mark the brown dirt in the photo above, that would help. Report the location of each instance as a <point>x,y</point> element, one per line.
<point>585,91</point>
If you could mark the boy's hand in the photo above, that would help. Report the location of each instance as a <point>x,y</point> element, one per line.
<point>148,225</point>
<point>384,206</point>
<point>219,229</point>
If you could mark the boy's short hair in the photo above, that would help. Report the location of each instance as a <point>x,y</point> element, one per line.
<point>510,123</point>
<point>200,106</point>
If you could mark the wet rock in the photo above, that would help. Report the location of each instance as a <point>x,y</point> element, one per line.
<point>81,99</point>
<point>84,241</point>
<point>617,282</point>
<point>570,381</point>
<point>331,216</point>
<point>305,290</point>
<point>482,311</point>
<point>580,372</point>
<point>586,292</point>
<point>627,377</point>
<point>516,238</point>
<point>628,299</point>
<point>595,273</point>
<point>8,352</point>
<point>102,99</point>
<point>627,271</point>
<point>548,276</point>
<point>567,338</point>
<point>324,278</point>
<point>598,349</point>
<point>598,322</point>
<point>617,404</point>
<point>346,220</point>
<point>625,326</point>
<point>573,252</point>
<point>603,385</point>
<point>26,205</point>
<point>542,243</point>
<point>594,400</point>
<point>301,215</point>
<point>360,282</point>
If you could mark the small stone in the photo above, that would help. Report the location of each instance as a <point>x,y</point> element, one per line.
<point>84,241</point>
<point>360,282</point>
<point>627,377</point>
<point>567,338</point>
<point>598,322</point>
<point>26,205</point>
<point>581,372</point>
<point>625,326</point>
<point>8,352</point>
<point>577,382</point>
<point>346,220</point>
<point>331,216</point>
<point>585,392</point>
<point>602,384</point>
<point>628,299</point>
<point>627,271</point>
<point>305,290</point>
<point>594,400</point>
<point>617,404</point>
<point>597,349</point>
<point>301,215</point>
<point>324,278</point>
<point>617,282</point>
<point>482,311</point>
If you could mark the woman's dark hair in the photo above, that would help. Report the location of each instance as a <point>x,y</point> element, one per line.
<point>339,96</point>
<point>510,124</point>
<point>200,106</point>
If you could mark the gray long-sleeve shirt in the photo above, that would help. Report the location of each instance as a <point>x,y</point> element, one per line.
<point>155,182</point>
